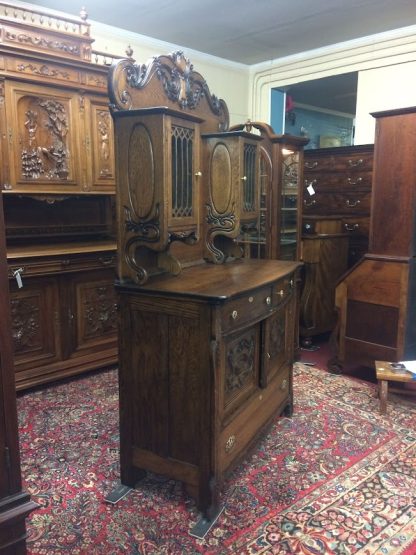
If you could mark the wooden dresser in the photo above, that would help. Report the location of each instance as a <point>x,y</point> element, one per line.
<point>376,298</point>
<point>335,227</point>
<point>206,336</point>
<point>15,504</point>
<point>58,182</point>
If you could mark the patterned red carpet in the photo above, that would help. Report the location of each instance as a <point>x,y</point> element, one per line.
<point>337,478</point>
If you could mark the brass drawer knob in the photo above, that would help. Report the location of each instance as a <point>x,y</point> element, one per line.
<point>234,314</point>
<point>281,293</point>
<point>268,300</point>
<point>230,444</point>
<point>198,174</point>
<point>250,299</point>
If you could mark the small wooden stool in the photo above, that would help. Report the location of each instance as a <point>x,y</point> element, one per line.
<point>385,374</point>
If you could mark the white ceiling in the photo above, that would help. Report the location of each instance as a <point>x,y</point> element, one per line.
<point>248,31</point>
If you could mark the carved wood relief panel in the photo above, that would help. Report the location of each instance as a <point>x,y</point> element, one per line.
<point>241,376</point>
<point>42,136</point>
<point>35,336</point>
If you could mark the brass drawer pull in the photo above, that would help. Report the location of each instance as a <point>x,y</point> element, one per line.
<point>244,178</point>
<point>283,385</point>
<point>250,299</point>
<point>198,174</point>
<point>234,314</point>
<point>311,165</point>
<point>351,227</point>
<point>106,261</point>
<point>307,204</point>
<point>281,293</point>
<point>352,203</point>
<point>355,163</point>
<point>354,181</point>
<point>230,444</point>
<point>268,300</point>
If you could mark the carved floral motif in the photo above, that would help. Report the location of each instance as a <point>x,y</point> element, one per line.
<point>100,312</point>
<point>25,324</point>
<point>240,363</point>
<point>43,70</point>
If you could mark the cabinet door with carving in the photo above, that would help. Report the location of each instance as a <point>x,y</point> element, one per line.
<point>99,142</point>
<point>35,323</point>
<point>242,369</point>
<point>42,132</point>
<point>91,312</point>
<point>277,343</point>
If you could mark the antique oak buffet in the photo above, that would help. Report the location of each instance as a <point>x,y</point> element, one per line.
<point>205,335</point>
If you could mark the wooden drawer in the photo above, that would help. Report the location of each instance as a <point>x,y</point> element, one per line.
<point>236,437</point>
<point>247,308</point>
<point>60,264</point>
<point>342,181</point>
<point>356,226</point>
<point>352,161</point>
<point>338,203</point>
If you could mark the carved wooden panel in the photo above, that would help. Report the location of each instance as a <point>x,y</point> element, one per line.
<point>42,138</point>
<point>99,144</point>
<point>35,322</point>
<point>278,344</point>
<point>92,312</point>
<point>241,369</point>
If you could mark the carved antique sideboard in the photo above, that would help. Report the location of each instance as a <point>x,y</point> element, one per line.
<point>205,335</point>
<point>58,183</point>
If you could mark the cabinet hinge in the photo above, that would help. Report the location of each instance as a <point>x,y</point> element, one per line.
<point>7,457</point>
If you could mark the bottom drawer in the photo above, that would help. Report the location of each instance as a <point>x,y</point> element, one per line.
<point>237,436</point>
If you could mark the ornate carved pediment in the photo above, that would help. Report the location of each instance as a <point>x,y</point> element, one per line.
<point>167,80</point>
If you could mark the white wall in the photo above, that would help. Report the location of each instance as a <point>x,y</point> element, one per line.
<point>386,75</point>
<point>382,89</point>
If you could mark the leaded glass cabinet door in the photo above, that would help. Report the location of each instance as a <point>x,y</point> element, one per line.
<point>291,213</point>
<point>158,189</point>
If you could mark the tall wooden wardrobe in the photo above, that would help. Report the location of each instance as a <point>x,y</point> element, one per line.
<point>206,335</point>
<point>376,298</point>
<point>58,183</point>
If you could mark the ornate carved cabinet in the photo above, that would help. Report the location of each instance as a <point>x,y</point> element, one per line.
<point>58,180</point>
<point>376,297</point>
<point>15,504</point>
<point>206,336</point>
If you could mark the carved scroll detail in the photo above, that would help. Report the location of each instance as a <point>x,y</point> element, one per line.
<point>180,82</point>
<point>43,70</point>
<point>219,224</point>
<point>43,43</point>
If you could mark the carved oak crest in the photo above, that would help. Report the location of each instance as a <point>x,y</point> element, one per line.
<point>183,87</point>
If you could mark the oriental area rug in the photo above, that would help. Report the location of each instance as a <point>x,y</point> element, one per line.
<point>336,478</point>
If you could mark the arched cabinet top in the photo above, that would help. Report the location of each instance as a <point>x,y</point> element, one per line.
<point>166,80</point>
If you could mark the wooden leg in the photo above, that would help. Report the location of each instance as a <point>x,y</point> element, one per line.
<point>382,393</point>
